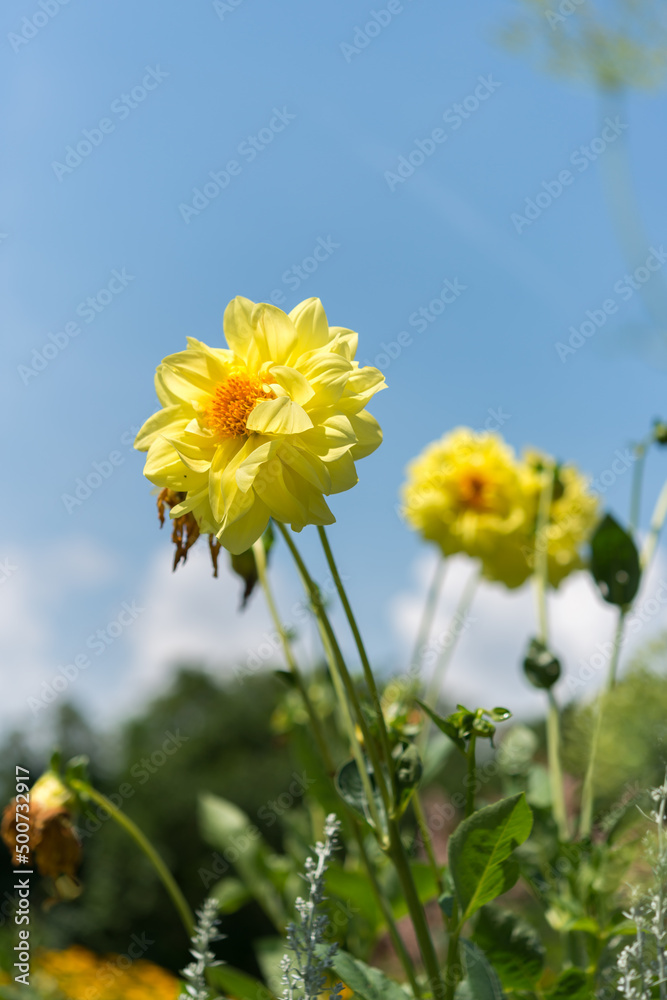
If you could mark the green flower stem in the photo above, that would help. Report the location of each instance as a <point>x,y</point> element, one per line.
<point>368,673</point>
<point>435,684</point>
<point>428,614</point>
<point>417,913</point>
<point>637,480</point>
<point>397,941</point>
<point>541,582</point>
<point>586,818</point>
<point>395,846</point>
<point>422,823</point>
<point>471,776</point>
<point>555,770</point>
<point>178,899</point>
<point>657,524</point>
<point>340,673</point>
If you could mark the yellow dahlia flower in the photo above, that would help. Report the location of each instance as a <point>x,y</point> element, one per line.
<point>469,493</point>
<point>264,428</point>
<point>466,493</point>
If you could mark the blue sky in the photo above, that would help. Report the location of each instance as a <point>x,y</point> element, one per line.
<point>169,93</point>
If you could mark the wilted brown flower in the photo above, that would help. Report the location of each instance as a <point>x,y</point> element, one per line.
<point>185,531</point>
<point>54,844</point>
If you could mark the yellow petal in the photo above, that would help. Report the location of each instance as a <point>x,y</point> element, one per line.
<point>169,417</point>
<point>275,335</point>
<point>344,342</point>
<point>369,434</point>
<point>308,465</point>
<point>311,324</point>
<point>278,416</point>
<point>241,533</point>
<point>239,325</point>
<point>292,382</point>
<point>263,452</point>
<point>273,486</point>
<point>343,473</point>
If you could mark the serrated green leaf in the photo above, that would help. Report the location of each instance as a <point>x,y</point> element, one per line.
<point>512,947</point>
<point>572,984</point>
<point>482,979</point>
<point>364,981</point>
<point>480,852</point>
<point>615,562</point>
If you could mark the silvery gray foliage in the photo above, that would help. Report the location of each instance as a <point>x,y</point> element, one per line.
<point>200,949</point>
<point>642,965</point>
<point>304,971</point>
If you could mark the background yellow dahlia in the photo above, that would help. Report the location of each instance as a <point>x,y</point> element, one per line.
<point>264,428</point>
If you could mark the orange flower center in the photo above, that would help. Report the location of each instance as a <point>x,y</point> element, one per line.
<point>227,412</point>
<point>474,491</point>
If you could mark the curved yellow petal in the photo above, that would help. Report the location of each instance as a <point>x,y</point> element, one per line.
<point>170,417</point>
<point>239,324</point>
<point>311,324</point>
<point>368,432</point>
<point>240,534</point>
<point>292,382</point>
<point>279,416</point>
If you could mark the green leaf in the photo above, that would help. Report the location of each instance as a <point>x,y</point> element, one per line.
<point>238,984</point>
<point>365,982</point>
<point>512,946</point>
<point>615,562</point>
<point>482,979</point>
<point>572,984</point>
<point>231,894</point>
<point>226,827</point>
<point>351,789</point>
<point>354,889</point>
<point>540,665</point>
<point>445,726</point>
<point>480,852</point>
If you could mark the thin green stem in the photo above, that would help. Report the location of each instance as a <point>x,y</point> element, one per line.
<point>365,663</point>
<point>428,614</point>
<point>586,818</point>
<point>453,968</point>
<point>637,480</point>
<point>397,941</point>
<point>422,823</point>
<point>471,776</point>
<point>657,524</point>
<point>541,570</point>
<point>395,845</point>
<point>454,632</point>
<point>167,879</point>
<point>339,672</point>
<point>555,769</point>
<point>417,913</point>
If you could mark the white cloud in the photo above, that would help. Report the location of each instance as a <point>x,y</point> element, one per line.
<point>486,666</point>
